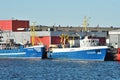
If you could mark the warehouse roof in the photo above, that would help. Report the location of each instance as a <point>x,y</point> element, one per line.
<point>115,31</point>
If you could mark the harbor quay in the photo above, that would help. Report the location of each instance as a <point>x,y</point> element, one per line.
<point>21,31</point>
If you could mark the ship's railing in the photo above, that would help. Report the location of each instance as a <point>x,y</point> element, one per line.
<point>6,46</point>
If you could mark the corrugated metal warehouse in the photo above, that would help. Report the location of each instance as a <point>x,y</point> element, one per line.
<point>13,25</point>
<point>114,38</point>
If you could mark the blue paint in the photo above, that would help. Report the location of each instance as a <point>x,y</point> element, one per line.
<point>94,54</point>
<point>22,52</point>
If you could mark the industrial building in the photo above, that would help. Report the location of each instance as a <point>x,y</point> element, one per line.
<point>14,25</point>
<point>114,38</point>
<point>20,32</point>
<point>53,37</point>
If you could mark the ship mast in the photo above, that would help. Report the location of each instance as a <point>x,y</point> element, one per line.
<point>33,33</point>
<point>85,23</point>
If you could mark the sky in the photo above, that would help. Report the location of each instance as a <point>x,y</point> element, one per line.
<point>104,13</point>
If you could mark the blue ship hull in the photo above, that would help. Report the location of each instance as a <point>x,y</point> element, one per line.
<point>77,54</point>
<point>30,52</point>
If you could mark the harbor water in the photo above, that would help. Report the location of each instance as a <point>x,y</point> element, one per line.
<point>19,69</point>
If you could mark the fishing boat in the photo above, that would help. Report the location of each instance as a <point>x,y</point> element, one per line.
<point>19,51</point>
<point>12,49</point>
<point>89,49</point>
